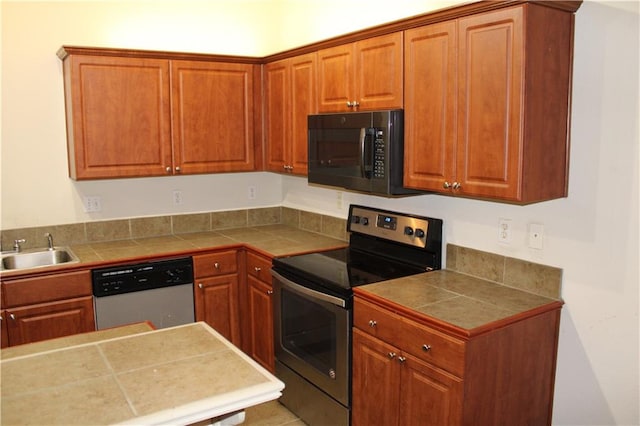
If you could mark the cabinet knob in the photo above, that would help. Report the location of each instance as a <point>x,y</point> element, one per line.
<point>426,348</point>
<point>372,323</point>
<point>456,186</point>
<point>12,316</point>
<point>391,355</point>
<point>446,185</point>
<point>401,359</point>
<point>257,268</point>
<point>167,169</point>
<point>200,285</point>
<point>269,292</point>
<point>349,104</point>
<point>216,265</point>
<point>178,169</point>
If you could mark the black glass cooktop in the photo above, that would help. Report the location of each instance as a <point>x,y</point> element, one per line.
<point>342,269</point>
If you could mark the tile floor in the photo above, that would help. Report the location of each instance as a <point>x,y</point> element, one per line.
<point>271,414</point>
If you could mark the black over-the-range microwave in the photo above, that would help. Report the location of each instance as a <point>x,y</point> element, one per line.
<point>361,151</point>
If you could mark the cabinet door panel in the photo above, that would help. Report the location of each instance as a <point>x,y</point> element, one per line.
<point>490,103</point>
<point>378,72</point>
<point>277,102</point>
<point>428,394</point>
<point>430,106</point>
<point>216,302</point>
<point>303,102</point>
<point>50,320</point>
<point>375,381</point>
<point>212,116</point>
<point>335,78</point>
<point>261,317</point>
<point>119,123</point>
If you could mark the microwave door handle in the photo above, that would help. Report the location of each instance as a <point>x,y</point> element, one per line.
<point>363,140</point>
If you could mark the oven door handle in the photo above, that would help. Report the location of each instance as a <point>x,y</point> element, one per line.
<point>297,288</point>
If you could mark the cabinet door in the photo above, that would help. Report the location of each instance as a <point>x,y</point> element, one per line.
<point>490,84</point>
<point>216,300</point>
<point>303,102</point>
<point>276,115</point>
<point>378,72</point>
<point>428,394</point>
<point>33,323</point>
<point>375,382</point>
<point>212,111</point>
<point>261,320</point>
<point>336,87</point>
<point>430,106</point>
<point>118,116</point>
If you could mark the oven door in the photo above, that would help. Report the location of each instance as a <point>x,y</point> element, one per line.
<point>312,332</point>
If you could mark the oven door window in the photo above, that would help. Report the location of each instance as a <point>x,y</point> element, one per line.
<point>342,151</point>
<point>309,332</point>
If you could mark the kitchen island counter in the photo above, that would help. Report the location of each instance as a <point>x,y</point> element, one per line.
<point>178,375</point>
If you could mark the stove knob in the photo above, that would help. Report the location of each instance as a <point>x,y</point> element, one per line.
<point>364,221</point>
<point>419,233</point>
<point>355,219</point>
<point>408,230</point>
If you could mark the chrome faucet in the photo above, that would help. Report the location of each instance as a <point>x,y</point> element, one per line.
<point>16,245</point>
<point>49,240</point>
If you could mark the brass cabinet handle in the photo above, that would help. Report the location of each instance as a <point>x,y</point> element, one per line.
<point>167,169</point>
<point>391,355</point>
<point>426,347</point>
<point>446,185</point>
<point>457,186</point>
<point>401,359</point>
<point>178,169</point>
<point>372,323</point>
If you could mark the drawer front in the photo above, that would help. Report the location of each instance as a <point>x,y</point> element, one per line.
<point>259,267</point>
<point>411,337</point>
<point>218,263</point>
<point>27,291</point>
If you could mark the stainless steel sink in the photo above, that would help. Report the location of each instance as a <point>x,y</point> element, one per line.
<point>37,258</point>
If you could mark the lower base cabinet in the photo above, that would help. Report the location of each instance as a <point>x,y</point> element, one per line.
<point>258,318</point>
<point>408,373</point>
<point>46,307</point>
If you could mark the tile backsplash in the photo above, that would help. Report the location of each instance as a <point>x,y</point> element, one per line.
<point>532,277</point>
<point>145,227</point>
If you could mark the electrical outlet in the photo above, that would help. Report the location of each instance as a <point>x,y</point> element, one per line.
<point>92,204</point>
<point>504,231</point>
<point>177,197</point>
<point>536,236</point>
<point>251,194</point>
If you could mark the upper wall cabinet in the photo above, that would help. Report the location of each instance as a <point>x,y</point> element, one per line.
<point>290,95</point>
<point>487,104</point>
<point>130,114</point>
<point>364,75</point>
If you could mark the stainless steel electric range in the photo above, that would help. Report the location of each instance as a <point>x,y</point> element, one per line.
<point>313,305</point>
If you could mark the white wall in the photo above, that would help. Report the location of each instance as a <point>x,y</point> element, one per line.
<point>592,234</point>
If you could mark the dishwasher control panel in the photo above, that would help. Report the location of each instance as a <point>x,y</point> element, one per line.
<point>142,276</point>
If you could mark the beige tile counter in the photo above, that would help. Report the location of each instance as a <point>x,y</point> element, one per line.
<point>178,375</point>
<point>461,300</point>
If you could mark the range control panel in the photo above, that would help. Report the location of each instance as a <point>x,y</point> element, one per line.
<point>399,227</point>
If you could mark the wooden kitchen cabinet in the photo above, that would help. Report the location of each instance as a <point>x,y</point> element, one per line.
<point>408,369</point>
<point>131,114</point>
<point>487,101</point>
<point>47,306</point>
<point>290,96</point>
<point>258,325</point>
<point>216,292</point>
<point>364,75</point>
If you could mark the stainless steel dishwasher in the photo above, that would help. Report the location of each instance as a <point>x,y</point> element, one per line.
<point>157,291</point>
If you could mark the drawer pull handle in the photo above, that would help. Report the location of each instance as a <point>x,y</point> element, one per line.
<point>200,285</point>
<point>12,316</point>
<point>269,292</point>
<point>372,323</point>
<point>216,265</point>
<point>391,355</point>
<point>426,348</point>
<point>401,359</point>
<point>258,269</point>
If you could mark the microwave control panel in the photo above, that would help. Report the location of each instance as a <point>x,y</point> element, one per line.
<point>378,154</point>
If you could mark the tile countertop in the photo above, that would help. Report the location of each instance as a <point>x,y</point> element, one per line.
<point>273,240</point>
<point>178,375</point>
<point>464,304</point>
